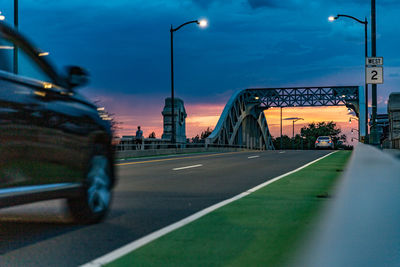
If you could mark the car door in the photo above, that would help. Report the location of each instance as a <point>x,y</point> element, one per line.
<point>67,128</point>
<point>44,130</point>
<point>18,136</point>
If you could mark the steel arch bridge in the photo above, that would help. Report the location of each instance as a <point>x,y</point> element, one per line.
<point>243,122</point>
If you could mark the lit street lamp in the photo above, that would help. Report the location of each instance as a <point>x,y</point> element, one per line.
<point>43,54</point>
<point>2,17</point>
<point>365,23</point>
<point>293,121</point>
<point>202,23</point>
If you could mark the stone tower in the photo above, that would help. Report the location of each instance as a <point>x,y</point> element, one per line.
<point>180,120</point>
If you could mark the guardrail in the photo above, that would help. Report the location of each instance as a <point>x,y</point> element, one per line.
<point>361,227</point>
<point>141,150</point>
<point>125,147</point>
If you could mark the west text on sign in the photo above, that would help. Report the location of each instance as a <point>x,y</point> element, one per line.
<point>377,61</point>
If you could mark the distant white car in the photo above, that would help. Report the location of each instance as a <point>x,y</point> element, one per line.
<point>324,142</point>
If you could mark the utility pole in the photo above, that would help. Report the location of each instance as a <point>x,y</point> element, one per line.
<point>281,130</point>
<point>202,23</point>
<point>15,59</point>
<point>374,133</point>
<point>173,133</point>
<point>365,22</point>
<point>366,84</point>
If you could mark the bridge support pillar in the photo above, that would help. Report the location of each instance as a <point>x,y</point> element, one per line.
<point>180,120</point>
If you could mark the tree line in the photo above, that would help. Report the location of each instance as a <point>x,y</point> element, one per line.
<point>305,140</point>
<point>309,134</point>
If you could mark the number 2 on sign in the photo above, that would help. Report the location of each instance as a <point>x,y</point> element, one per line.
<point>374,75</point>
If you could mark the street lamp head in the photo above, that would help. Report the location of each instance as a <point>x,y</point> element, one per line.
<point>2,17</point>
<point>332,18</point>
<point>203,23</point>
<point>43,54</point>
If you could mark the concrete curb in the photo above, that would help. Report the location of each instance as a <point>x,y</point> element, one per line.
<point>361,227</point>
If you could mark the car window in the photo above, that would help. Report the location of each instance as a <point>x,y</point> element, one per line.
<point>6,55</point>
<point>324,138</point>
<point>26,65</point>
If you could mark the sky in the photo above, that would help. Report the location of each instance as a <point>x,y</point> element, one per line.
<point>125,46</point>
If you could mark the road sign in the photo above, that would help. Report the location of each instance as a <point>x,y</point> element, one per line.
<point>374,75</point>
<point>377,61</point>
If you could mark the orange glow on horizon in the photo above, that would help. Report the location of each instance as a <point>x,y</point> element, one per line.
<point>201,116</point>
<point>337,114</point>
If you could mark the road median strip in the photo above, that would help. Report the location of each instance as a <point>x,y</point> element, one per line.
<point>257,230</point>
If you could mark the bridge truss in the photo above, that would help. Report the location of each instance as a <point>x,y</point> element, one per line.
<point>243,122</point>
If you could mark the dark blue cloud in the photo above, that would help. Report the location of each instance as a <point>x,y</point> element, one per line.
<point>264,3</point>
<point>125,43</point>
<point>302,3</point>
<point>203,3</point>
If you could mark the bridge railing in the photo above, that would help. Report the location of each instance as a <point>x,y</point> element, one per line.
<point>132,147</point>
<point>132,151</point>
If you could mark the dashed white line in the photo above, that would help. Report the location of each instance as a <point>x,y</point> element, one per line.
<point>281,152</point>
<point>253,157</point>
<point>187,167</point>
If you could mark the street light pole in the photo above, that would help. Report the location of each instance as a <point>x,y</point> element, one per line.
<point>294,120</point>
<point>15,58</point>
<point>374,134</point>
<point>202,23</point>
<point>172,89</point>
<point>366,84</point>
<point>354,118</point>
<point>281,129</point>
<point>293,128</point>
<point>365,22</point>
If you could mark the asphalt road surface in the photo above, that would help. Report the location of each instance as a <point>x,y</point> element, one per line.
<point>151,193</point>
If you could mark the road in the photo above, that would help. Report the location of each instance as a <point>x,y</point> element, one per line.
<point>151,193</point>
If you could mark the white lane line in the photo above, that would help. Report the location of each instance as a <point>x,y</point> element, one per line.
<point>122,251</point>
<point>253,157</point>
<point>281,152</point>
<point>187,167</point>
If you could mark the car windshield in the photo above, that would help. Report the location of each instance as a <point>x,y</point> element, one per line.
<point>324,138</point>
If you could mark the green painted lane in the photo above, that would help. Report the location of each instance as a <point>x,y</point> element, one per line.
<point>261,229</point>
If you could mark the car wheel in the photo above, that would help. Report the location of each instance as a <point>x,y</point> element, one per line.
<point>94,202</point>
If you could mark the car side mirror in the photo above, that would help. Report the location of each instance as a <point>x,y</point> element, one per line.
<point>77,76</point>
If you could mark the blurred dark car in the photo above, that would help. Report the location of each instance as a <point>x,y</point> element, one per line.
<point>53,143</point>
